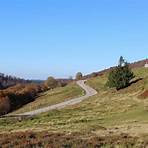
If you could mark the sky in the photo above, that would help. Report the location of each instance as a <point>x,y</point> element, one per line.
<point>41,38</point>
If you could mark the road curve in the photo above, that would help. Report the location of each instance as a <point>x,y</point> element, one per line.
<point>88,92</point>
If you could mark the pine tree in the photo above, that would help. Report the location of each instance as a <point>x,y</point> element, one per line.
<point>121,61</point>
<point>120,77</point>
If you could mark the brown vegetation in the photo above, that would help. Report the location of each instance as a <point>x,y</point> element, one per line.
<point>14,97</point>
<point>4,104</point>
<point>56,140</point>
<point>144,95</point>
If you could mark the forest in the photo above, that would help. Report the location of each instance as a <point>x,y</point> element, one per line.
<point>8,80</point>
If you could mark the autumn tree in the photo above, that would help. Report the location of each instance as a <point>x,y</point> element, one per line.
<point>4,104</point>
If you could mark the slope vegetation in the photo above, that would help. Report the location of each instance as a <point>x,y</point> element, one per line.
<point>52,97</point>
<point>110,113</point>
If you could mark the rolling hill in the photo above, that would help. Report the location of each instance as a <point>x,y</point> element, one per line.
<point>138,64</point>
<point>110,118</point>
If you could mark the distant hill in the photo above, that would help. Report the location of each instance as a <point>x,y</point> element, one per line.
<point>137,64</point>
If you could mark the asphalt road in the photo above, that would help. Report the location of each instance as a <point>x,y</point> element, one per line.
<point>88,92</point>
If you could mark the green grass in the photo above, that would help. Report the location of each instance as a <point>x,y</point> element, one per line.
<point>106,110</point>
<point>93,114</point>
<point>51,97</point>
<point>141,72</point>
<point>98,83</point>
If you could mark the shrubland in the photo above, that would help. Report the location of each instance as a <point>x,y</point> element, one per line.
<point>14,97</point>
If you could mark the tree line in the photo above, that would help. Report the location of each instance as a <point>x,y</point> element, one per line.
<point>7,81</point>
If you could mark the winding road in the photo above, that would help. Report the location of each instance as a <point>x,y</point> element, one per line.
<point>88,92</point>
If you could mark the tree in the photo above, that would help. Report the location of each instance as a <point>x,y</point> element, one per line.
<point>121,61</point>
<point>79,76</point>
<point>51,83</point>
<point>120,77</point>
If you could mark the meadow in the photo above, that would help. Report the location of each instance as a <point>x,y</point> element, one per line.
<point>109,113</point>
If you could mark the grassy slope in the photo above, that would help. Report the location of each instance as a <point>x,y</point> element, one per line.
<point>108,108</point>
<point>51,97</point>
<point>116,111</point>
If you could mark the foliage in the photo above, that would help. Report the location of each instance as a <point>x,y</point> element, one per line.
<point>51,83</point>
<point>4,104</point>
<point>79,76</point>
<point>121,61</point>
<point>16,96</point>
<point>120,77</point>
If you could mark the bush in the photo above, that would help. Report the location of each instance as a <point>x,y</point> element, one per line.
<point>120,77</point>
<point>79,76</point>
<point>51,83</point>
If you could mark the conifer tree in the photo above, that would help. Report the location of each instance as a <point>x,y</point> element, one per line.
<point>120,76</point>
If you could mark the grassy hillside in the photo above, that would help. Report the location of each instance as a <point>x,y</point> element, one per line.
<point>98,83</point>
<point>110,113</point>
<point>51,97</point>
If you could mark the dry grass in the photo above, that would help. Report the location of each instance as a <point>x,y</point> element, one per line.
<point>51,97</point>
<point>109,112</point>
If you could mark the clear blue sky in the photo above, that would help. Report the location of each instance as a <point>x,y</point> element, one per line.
<point>39,38</point>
